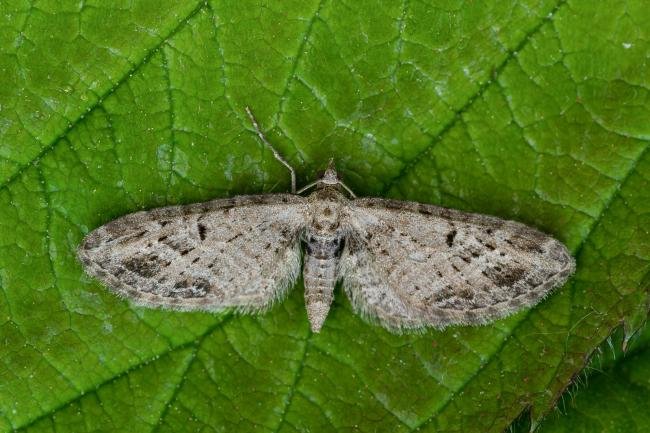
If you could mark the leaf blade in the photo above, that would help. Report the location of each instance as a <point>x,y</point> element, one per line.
<point>528,140</point>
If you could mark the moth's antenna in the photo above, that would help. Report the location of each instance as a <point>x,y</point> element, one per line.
<point>313,184</point>
<point>329,178</point>
<point>275,152</point>
<point>347,188</point>
<point>306,187</point>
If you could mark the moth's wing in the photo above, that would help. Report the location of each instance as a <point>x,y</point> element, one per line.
<point>410,265</point>
<point>241,252</point>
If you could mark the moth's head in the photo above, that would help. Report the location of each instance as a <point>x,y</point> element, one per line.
<point>330,177</point>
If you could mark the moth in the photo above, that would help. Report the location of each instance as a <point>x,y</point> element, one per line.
<point>403,265</point>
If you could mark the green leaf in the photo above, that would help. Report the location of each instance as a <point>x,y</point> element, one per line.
<point>532,110</point>
<point>613,398</point>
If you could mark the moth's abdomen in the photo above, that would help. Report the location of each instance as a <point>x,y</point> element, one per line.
<point>319,274</point>
<point>320,277</point>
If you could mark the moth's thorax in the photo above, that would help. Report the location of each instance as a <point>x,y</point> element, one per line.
<point>324,234</point>
<point>324,240</point>
<point>326,205</point>
<point>330,193</point>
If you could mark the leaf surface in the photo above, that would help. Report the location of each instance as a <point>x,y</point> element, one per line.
<point>613,397</point>
<point>535,111</point>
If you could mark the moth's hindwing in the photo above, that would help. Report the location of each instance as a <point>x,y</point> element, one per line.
<point>242,252</point>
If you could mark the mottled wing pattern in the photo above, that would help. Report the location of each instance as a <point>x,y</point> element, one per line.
<point>409,265</point>
<point>242,252</point>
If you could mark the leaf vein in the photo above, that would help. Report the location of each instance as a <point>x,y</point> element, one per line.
<point>73,124</point>
<point>512,54</point>
<point>127,371</point>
